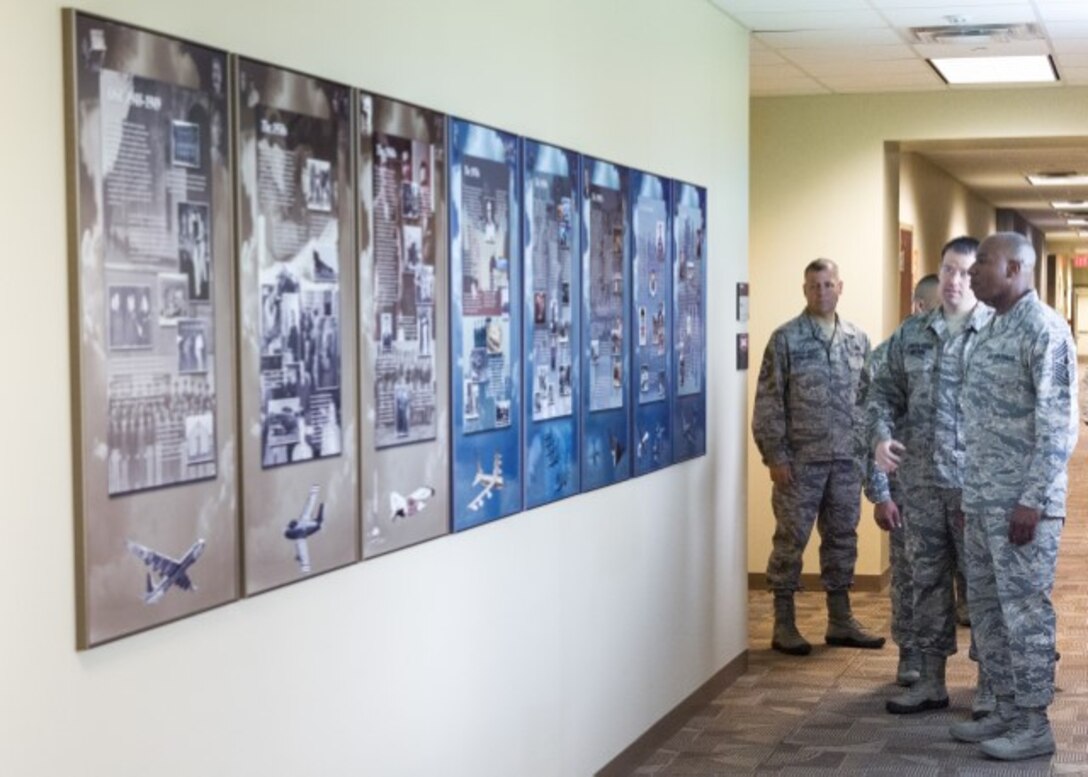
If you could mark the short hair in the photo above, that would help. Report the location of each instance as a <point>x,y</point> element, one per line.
<point>820,265</point>
<point>961,245</point>
<point>927,283</point>
<point>1017,247</point>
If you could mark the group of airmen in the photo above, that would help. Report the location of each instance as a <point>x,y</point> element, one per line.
<point>959,429</point>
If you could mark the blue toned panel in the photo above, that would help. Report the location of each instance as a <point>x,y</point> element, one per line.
<point>689,320</point>
<point>606,315</point>
<point>485,283</point>
<point>651,292</point>
<point>552,322</point>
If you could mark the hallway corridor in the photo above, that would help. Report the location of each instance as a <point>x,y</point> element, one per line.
<point>824,715</point>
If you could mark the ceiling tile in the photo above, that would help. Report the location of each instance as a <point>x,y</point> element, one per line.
<point>872,70</point>
<point>1059,31</point>
<point>1062,11</point>
<point>809,20</point>
<point>1074,75</point>
<point>1067,61</point>
<point>775,72</point>
<point>764,57</point>
<point>788,88</point>
<point>859,54</point>
<point>971,4</point>
<point>877,82</point>
<point>936,17</point>
<point>780,6</point>
<point>864,36</point>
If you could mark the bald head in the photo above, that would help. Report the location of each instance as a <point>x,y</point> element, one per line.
<point>1002,272</point>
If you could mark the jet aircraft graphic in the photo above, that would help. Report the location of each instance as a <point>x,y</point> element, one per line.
<point>406,506</point>
<point>302,527</point>
<point>488,483</point>
<point>163,571</point>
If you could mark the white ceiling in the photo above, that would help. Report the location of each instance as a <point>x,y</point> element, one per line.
<point>802,47</point>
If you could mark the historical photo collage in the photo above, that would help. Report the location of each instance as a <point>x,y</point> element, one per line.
<point>158,283</point>
<point>405,382</point>
<point>650,293</point>
<point>689,299</point>
<point>485,295</point>
<point>550,209</point>
<point>299,277</point>
<point>605,292</point>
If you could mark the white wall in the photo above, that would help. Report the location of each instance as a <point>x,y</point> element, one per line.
<point>540,645</point>
<point>820,187</point>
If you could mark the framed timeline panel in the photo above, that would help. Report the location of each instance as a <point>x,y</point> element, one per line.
<point>485,320</point>
<point>606,315</point>
<point>404,356</point>
<point>296,288</point>
<point>551,322</point>
<point>651,291</point>
<point>150,235</point>
<point>689,320</point>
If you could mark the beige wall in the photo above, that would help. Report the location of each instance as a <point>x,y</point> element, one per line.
<point>939,208</point>
<point>820,188</point>
<point>542,644</point>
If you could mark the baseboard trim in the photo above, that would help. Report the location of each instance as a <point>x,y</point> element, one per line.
<point>656,735</point>
<point>811,582</point>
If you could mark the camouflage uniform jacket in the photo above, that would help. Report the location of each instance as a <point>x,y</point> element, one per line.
<point>915,397</point>
<point>1020,409</point>
<point>878,486</point>
<point>805,408</point>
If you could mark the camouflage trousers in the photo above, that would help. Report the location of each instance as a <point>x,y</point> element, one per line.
<point>902,590</point>
<point>827,494</point>
<point>1012,617</point>
<point>934,545</point>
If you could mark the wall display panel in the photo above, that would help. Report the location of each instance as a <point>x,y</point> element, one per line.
<point>296,285</point>
<point>486,348</point>
<point>651,292</point>
<point>150,235</point>
<point>606,293</point>
<point>551,322</point>
<point>403,285</point>
<point>689,320</point>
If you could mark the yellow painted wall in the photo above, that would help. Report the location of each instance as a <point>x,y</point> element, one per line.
<point>820,187</point>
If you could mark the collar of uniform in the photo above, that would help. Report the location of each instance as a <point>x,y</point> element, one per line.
<point>817,330</point>
<point>976,319</point>
<point>1016,313</point>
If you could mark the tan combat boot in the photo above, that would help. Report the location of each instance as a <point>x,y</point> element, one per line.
<point>787,639</point>
<point>929,693</point>
<point>843,630</point>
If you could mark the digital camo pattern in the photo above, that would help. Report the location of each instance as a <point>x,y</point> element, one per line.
<point>1016,644</point>
<point>878,486</point>
<point>806,398</point>
<point>934,545</point>
<point>826,494</point>
<point>1020,411</point>
<point>916,393</point>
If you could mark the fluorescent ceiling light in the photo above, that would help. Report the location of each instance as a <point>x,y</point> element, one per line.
<point>1058,179</point>
<point>995,70</point>
<point>1070,205</point>
<point>1077,222</point>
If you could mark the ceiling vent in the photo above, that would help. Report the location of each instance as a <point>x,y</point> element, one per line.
<point>975,34</point>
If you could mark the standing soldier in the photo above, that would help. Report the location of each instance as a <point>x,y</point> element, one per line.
<point>886,494</point>
<point>916,396</point>
<point>805,422</point>
<point>1019,402</point>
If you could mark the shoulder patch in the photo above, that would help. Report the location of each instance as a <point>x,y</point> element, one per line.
<point>1061,374</point>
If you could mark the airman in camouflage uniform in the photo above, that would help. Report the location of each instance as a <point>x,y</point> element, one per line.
<point>1019,404</point>
<point>917,395</point>
<point>886,495</point>
<point>805,423</point>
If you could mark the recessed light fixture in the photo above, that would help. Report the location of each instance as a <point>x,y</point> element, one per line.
<point>1070,205</point>
<point>996,70</point>
<point>1077,222</point>
<point>1058,179</point>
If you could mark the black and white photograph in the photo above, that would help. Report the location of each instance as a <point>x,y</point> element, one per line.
<point>173,298</point>
<point>317,184</point>
<point>192,345</point>
<point>185,144</point>
<point>194,248</point>
<point>129,317</point>
<point>199,438</point>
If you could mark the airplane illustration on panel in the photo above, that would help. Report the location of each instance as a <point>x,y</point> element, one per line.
<point>163,571</point>
<point>406,506</point>
<point>302,527</point>
<point>488,482</point>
